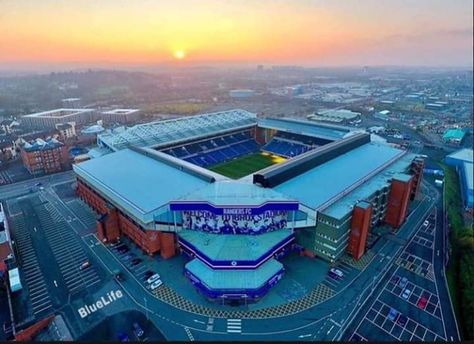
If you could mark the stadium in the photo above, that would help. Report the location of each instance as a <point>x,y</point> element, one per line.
<point>235,194</point>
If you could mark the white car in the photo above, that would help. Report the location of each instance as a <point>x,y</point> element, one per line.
<point>156,284</point>
<point>153,278</point>
<point>426,223</point>
<point>337,272</point>
<point>406,293</point>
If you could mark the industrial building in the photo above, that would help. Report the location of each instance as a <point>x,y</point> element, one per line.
<point>335,116</point>
<point>455,136</point>
<point>120,115</point>
<point>462,160</point>
<point>44,156</point>
<point>49,119</point>
<point>332,187</point>
<point>243,93</point>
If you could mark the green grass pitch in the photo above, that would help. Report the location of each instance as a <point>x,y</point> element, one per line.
<point>244,166</point>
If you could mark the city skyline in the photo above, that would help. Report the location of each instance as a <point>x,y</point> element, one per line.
<point>309,33</point>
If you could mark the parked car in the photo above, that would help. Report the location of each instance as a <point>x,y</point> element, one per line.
<point>138,330</point>
<point>129,256</point>
<point>153,278</point>
<point>392,315</point>
<point>136,261</point>
<point>85,265</point>
<point>403,282</point>
<point>395,279</point>
<point>156,284</point>
<point>402,320</point>
<point>147,275</point>
<point>336,273</point>
<point>406,294</point>
<point>422,302</point>
<point>426,223</point>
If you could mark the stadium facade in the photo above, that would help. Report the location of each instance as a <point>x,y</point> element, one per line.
<point>156,187</point>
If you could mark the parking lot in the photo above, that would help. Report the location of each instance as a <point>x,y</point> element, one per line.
<point>53,261</point>
<point>67,250</point>
<point>407,307</point>
<point>38,297</point>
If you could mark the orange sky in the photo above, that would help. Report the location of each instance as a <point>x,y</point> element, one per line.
<point>270,31</point>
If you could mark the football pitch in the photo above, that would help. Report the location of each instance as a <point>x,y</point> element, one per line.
<point>245,165</point>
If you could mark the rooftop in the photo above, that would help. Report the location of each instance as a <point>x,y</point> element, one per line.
<point>343,206</point>
<point>345,173</point>
<point>230,192</point>
<point>161,133</point>
<point>454,134</point>
<point>121,111</point>
<point>234,279</point>
<point>63,112</point>
<point>41,145</point>
<point>130,179</point>
<point>326,131</point>
<point>228,247</point>
<point>464,154</point>
<point>341,114</point>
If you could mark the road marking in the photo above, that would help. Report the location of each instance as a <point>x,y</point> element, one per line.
<point>199,321</point>
<point>234,325</point>
<point>304,335</point>
<point>55,283</point>
<point>330,329</point>
<point>190,335</point>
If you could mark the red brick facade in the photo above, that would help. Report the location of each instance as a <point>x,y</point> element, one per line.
<point>417,167</point>
<point>113,223</point>
<point>360,225</point>
<point>45,161</point>
<point>398,200</point>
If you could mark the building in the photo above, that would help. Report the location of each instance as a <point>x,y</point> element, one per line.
<point>44,156</point>
<point>462,160</point>
<point>120,115</point>
<point>71,103</point>
<point>9,125</point>
<point>6,250</point>
<point>49,119</point>
<point>244,93</point>
<point>326,191</point>
<point>455,136</point>
<point>66,131</point>
<point>335,116</point>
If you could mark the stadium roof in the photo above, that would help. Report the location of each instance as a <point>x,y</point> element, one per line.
<point>161,133</point>
<point>222,247</point>
<point>308,128</point>
<point>321,186</point>
<point>343,206</point>
<point>454,134</point>
<point>464,154</point>
<point>230,192</point>
<point>132,181</point>
<point>234,279</point>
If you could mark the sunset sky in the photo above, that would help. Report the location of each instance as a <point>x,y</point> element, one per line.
<point>316,33</point>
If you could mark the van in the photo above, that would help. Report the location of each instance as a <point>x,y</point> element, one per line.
<point>156,284</point>
<point>153,278</point>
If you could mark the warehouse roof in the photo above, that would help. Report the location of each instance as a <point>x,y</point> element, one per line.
<point>132,180</point>
<point>326,131</point>
<point>323,185</point>
<point>454,134</point>
<point>234,279</point>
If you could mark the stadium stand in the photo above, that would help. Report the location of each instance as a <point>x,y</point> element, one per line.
<point>216,150</point>
<point>290,145</point>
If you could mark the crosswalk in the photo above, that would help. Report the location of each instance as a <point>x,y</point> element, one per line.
<point>234,325</point>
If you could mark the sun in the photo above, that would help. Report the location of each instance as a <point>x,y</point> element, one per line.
<point>179,54</point>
